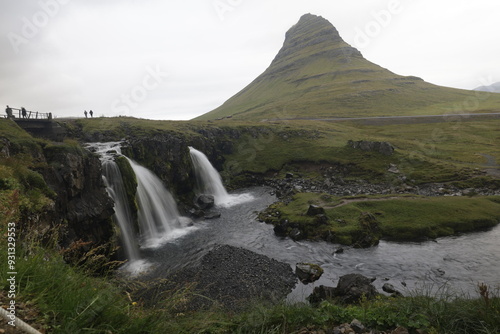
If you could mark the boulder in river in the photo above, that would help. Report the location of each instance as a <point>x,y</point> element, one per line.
<point>350,290</point>
<point>205,201</point>
<point>308,272</point>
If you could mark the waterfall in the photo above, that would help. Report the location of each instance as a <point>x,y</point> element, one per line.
<point>159,217</point>
<point>209,181</point>
<point>114,185</point>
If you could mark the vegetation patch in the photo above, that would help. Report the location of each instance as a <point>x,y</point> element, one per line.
<point>350,220</point>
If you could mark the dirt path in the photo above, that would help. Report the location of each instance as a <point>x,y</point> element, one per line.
<point>355,200</point>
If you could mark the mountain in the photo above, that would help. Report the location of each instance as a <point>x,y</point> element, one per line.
<point>493,88</point>
<point>316,75</point>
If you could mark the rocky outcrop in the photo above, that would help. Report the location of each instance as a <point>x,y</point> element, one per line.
<point>383,147</point>
<point>83,208</point>
<point>350,289</point>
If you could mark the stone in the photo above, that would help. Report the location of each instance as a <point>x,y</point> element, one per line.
<point>357,326</point>
<point>213,215</point>
<point>307,272</point>
<point>321,293</point>
<point>389,288</point>
<point>289,175</point>
<point>295,234</point>
<point>400,330</point>
<point>315,210</point>
<point>393,169</point>
<point>352,287</point>
<point>197,213</point>
<point>281,228</point>
<point>205,201</point>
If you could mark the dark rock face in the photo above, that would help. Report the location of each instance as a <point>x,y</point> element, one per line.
<point>384,148</point>
<point>83,208</point>
<point>229,276</point>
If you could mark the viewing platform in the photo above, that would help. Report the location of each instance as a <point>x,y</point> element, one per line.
<point>36,123</point>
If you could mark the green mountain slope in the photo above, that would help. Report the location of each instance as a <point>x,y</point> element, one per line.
<point>317,75</point>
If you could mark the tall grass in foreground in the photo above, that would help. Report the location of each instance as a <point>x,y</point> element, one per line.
<point>74,302</point>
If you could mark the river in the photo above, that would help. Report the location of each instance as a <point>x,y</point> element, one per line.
<point>455,263</point>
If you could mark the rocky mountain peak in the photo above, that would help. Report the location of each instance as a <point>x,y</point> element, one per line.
<point>316,34</point>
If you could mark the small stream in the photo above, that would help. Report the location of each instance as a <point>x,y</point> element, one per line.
<point>459,262</point>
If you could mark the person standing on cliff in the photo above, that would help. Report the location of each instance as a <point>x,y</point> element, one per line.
<point>8,110</point>
<point>85,112</point>
<point>91,113</point>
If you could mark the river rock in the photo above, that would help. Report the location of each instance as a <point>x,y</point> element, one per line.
<point>296,234</point>
<point>213,215</point>
<point>389,288</point>
<point>352,287</point>
<point>307,272</point>
<point>205,201</point>
<point>315,210</point>
<point>281,228</point>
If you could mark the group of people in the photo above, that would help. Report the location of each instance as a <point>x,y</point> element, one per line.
<point>90,112</point>
<point>24,113</point>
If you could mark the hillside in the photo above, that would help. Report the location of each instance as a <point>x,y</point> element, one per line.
<point>316,75</point>
<point>493,88</point>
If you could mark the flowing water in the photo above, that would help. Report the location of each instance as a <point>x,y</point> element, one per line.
<point>158,217</point>
<point>459,262</point>
<point>167,243</point>
<point>209,181</point>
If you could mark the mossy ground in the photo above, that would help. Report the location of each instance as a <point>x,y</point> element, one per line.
<point>399,218</point>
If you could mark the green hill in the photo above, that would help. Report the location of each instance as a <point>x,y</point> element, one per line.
<point>316,75</point>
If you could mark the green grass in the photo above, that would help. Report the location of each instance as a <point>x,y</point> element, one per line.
<point>404,218</point>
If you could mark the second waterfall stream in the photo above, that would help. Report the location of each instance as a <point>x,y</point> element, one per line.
<point>209,181</point>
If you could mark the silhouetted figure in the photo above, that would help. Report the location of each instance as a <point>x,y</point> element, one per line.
<point>8,110</point>
<point>85,112</point>
<point>91,113</point>
<point>50,115</point>
<point>23,112</point>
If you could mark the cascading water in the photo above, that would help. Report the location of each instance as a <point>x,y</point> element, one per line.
<point>209,181</point>
<point>114,185</point>
<point>159,218</point>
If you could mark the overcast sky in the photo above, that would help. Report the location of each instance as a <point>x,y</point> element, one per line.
<point>176,59</point>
